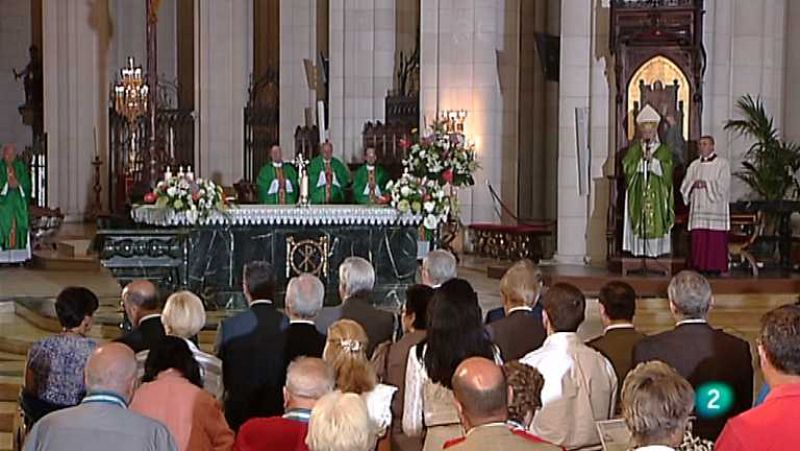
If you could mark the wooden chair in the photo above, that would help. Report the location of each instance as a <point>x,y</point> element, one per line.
<point>745,230</point>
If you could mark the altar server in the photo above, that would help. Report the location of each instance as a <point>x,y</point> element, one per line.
<point>706,189</point>
<point>277,181</point>
<point>369,181</point>
<point>328,177</point>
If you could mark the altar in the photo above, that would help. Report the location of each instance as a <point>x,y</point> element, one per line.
<point>206,255</point>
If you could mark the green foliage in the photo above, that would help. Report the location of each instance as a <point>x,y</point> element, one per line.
<point>771,163</point>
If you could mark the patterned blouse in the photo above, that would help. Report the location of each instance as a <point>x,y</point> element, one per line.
<point>57,363</point>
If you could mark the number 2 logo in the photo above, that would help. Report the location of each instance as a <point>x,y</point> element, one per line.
<point>714,395</point>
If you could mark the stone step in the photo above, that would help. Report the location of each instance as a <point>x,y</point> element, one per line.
<point>9,388</point>
<point>54,261</point>
<point>72,248</point>
<point>6,441</point>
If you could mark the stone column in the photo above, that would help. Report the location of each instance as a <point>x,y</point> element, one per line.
<point>585,80</point>
<point>362,38</point>
<point>74,104</point>
<point>223,64</point>
<point>298,41</point>
<point>467,62</point>
<point>791,111</point>
<point>15,32</point>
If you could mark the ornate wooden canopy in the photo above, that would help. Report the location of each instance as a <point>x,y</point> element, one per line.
<point>660,60</point>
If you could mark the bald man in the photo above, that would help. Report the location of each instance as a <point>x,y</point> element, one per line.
<point>307,380</point>
<point>482,397</point>
<point>140,300</point>
<point>102,420</point>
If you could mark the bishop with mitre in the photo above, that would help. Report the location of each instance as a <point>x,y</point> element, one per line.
<point>649,204</point>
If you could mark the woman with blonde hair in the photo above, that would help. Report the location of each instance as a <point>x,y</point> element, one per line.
<point>345,351</point>
<point>184,316</point>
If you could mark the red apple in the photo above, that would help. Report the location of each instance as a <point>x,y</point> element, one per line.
<point>150,198</point>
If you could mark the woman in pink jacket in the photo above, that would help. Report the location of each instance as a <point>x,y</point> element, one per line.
<point>173,394</point>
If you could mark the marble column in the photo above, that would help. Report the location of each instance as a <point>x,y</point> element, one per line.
<point>362,44</point>
<point>298,42</point>
<point>75,103</point>
<point>223,63</point>
<point>468,54</point>
<point>791,111</point>
<point>745,41</point>
<point>15,33</point>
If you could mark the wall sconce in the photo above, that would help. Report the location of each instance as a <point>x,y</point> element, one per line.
<point>454,120</point>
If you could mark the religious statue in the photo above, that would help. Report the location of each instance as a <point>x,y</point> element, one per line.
<point>15,191</point>
<point>649,213</point>
<point>32,78</point>
<point>369,181</point>
<point>277,181</point>
<point>328,177</point>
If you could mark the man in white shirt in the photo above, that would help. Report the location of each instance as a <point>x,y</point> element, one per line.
<point>580,385</point>
<point>706,189</point>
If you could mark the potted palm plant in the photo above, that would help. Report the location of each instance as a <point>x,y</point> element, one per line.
<point>770,167</point>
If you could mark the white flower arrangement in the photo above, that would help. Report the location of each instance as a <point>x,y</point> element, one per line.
<point>196,198</point>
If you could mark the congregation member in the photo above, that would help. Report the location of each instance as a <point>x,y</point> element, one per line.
<point>369,180</point>
<point>617,309</point>
<point>706,189</point>
<point>173,394</point>
<point>526,385</point>
<point>184,316</point>
<point>54,376</point>
<point>499,313</point>
<point>327,177</point>
<point>345,352</point>
<point>438,267</point>
<point>304,296</point>
<point>455,332</point>
<point>356,282</point>
<point>580,385</point>
<point>102,420</point>
<point>700,353</point>
<point>307,380</point>
<point>772,424</point>
<point>140,300</point>
<point>391,360</point>
<point>481,397</point>
<point>340,422</point>
<point>277,180</point>
<point>520,331</point>
<point>253,386</point>
<point>15,195</point>
<point>656,403</point>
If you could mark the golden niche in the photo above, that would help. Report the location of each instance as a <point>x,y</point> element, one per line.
<point>661,83</point>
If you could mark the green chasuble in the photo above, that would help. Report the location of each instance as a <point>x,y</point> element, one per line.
<point>339,179</point>
<point>361,183</point>
<point>269,186</point>
<point>14,206</point>
<point>649,203</point>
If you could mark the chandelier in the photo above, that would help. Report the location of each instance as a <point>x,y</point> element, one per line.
<point>130,93</point>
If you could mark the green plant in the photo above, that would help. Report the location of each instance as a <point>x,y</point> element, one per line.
<point>771,163</point>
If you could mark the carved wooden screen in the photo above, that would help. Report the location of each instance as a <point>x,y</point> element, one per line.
<point>670,33</point>
<point>260,122</point>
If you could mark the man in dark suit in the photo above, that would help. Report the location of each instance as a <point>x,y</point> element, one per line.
<point>499,313</point>
<point>356,281</point>
<point>617,307</point>
<point>519,332</point>
<point>304,295</point>
<point>140,300</point>
<point>699,352</point>
<point>251,349</point>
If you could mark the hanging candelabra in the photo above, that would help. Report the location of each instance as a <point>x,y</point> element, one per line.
<point>131,95</point>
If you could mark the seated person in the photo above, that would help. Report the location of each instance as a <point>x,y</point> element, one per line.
<point>277,181</point>
<point>54,376</point>
<point>340,422</point>
<point>327,177</point>
<point>307,380</point>
<point>580,385</point>
<point>173,394</point>
<point>369,181</point>
<point>526,393</point>
<point>656,403</point>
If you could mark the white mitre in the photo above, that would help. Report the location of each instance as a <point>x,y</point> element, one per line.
<point>648,115</point>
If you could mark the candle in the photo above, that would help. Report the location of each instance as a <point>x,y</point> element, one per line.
<point>167,174</point>
<point>189,173</point>
<point>171,143</point>
<point>304,187</point>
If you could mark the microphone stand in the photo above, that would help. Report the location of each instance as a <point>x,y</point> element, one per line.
<point>642,213</point>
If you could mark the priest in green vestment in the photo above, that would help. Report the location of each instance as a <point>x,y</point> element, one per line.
<point>649,204</point>
<point>369,181</point>
<point>327,177</point>
<point>277,180</point>
<point>15,192</point>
